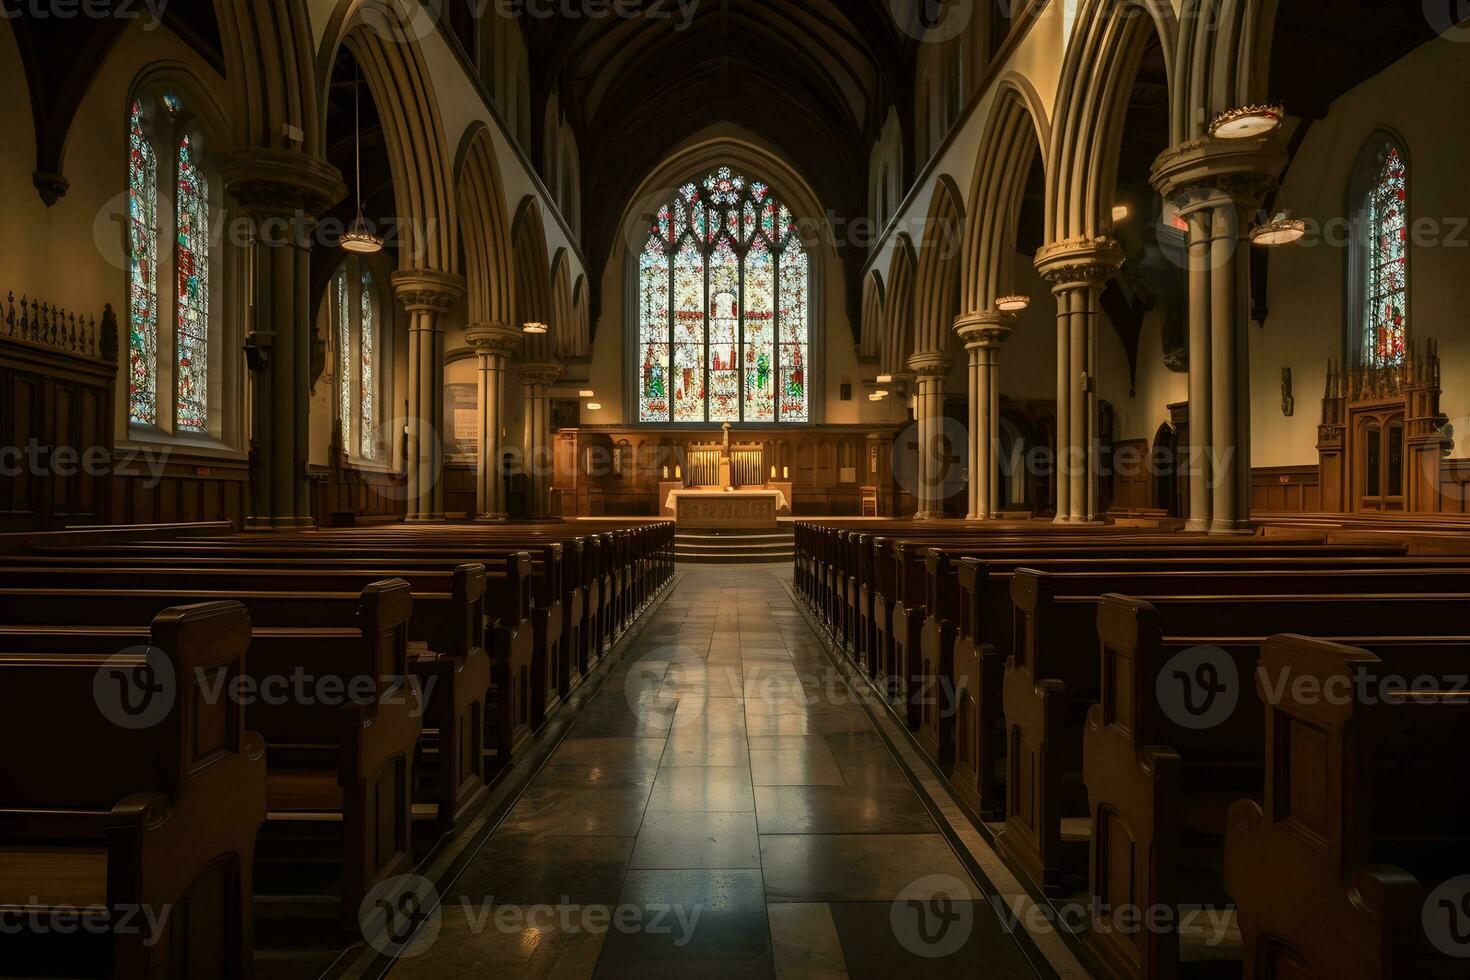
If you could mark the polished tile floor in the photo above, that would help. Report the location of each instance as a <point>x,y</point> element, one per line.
<point>722,808</point>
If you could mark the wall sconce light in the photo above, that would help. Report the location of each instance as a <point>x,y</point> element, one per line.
<point>1012,304</point>
<point>1247,121</point>
<point>678,473</point>
<point>875,397</point>
<point>1280,230</point>
<point>1120,212</point>
<point>884,379</point>
<point>586,394</point>
<point>533,326</point>
<point>773,472</point>
<point>785,472</point>
<point>594,407</point>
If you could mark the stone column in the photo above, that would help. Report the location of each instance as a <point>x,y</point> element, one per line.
<point>281,193</point>
<point>427,295</point>
<point>1077,270</point>
<point>983,334</point>
<point>930,370</point>
<point>493,344</point>
<point>1200,430</point>
<point>1218,185</point>
<point>536,382</point>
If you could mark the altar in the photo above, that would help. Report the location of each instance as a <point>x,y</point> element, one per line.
<point>726,510</point>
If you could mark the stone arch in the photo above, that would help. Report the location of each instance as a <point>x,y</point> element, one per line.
<point>582,316</point>
<point>898,331</point>
<point>565,340</point>
<point>1107,43</point>
<point>936,283</point>
<point>872,328</point>
<point>268,60</point>
<point>1223,57</point>
<point>382,39</point>
<point>533,300</point>
<point>1015,132</point>
<point>484,231</point>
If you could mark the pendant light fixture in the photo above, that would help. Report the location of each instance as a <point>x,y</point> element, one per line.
<point>359,239</point>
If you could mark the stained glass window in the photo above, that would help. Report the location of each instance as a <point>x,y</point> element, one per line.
<point>191,262</point>
<point>367,396</point>
<point>357,368</point>
<point>143,278</point>
<point>1387,267</point>
<point>344,358</point>
<point>724,307</point>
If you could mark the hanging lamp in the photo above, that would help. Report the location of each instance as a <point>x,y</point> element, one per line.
<point>359,239</point>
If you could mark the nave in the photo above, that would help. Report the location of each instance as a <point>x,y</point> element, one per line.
<point>725,800</point>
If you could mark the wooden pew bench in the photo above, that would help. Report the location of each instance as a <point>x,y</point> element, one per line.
<point>142,814</point>
<point>1052,680</point>
<point>1335,870</point>
<point>340,773</point>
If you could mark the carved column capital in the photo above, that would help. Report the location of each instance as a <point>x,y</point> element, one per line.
<point>269,182</point>
<point>1082,262</point>
<point>542,373</point>
<point>428,290</point>
<point>986,328</point>
<point>1206,172</point>
<point>929,365</point>
<point>490,339</point>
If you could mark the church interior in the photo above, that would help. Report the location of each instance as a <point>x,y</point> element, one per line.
<point>735,488</point>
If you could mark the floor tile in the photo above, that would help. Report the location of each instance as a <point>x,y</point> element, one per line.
<point>854,867</point>
<point>674,839</point>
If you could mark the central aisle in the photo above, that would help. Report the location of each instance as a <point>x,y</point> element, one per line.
<point>722,808</point>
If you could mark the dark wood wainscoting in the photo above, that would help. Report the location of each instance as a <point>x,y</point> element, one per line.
<point>1286,489</point>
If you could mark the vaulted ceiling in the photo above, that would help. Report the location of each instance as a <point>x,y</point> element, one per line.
<point>813,78</point>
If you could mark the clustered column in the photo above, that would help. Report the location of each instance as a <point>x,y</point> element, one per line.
<point>1217,185</point>
<point>930,370</point>
<point>536,382</point>
<point>1077,270</point>
<point>427,296</point>
<point>281,193</point>
<point>493,344</point>
<point>983,334</point>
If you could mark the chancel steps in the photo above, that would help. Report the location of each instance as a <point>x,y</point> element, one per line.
<point>742,547</point>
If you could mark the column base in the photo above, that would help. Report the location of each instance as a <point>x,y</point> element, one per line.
<point>492,518</point>
<point>1197,525</point>
<point>1233,527</point>
<point>930,515</point>
<point>425,519</point>
<point>261,524</point>
<point>1085,522</point>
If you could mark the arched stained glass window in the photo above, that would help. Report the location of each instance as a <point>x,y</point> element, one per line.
<point>143,278</point>
<point>367,395</point>
<point>723,308</point>
<point>173,380</point>
<point>1386,269</point>
<point>191,260</point>
<point>356,319</point>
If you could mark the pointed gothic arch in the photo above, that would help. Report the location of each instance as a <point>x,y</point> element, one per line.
<point>382,38</point>
<point>1015,135</point>
<point>533,300</point>
<point>937,280</point>
<point>898,333</point>
<point>485,231</point>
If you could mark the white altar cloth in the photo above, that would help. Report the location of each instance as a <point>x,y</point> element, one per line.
<point>672,502</point>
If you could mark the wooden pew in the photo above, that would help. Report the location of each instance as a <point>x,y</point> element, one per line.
<point>1052,679</point>
<point>340,773</point>
<point>1335,871</point>
<point>160,814</point>
<point>1160,784</point>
